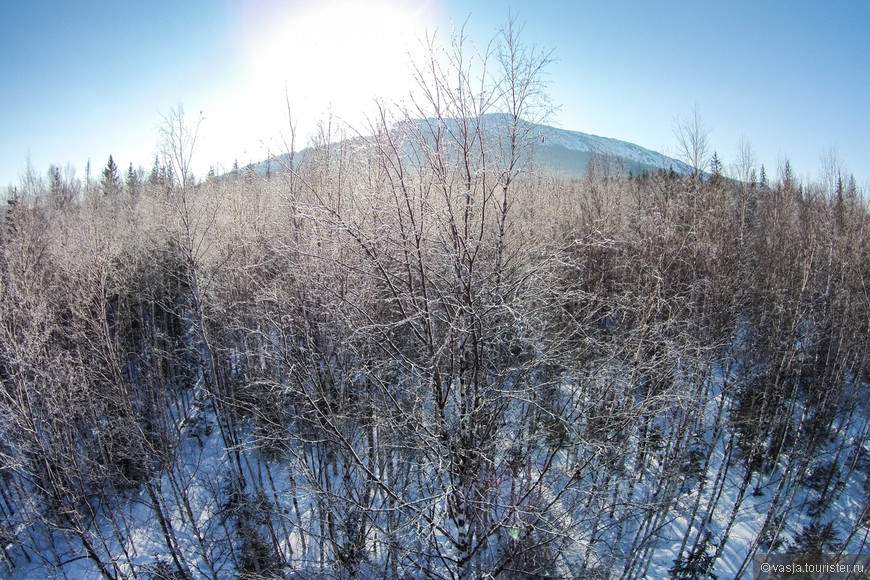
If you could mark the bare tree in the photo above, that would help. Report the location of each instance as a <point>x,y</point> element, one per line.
<point>178,137</point>
<point>692,136</point>
<point>745,166</point>
<point>831,172</point>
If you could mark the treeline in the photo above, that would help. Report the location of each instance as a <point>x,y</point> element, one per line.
<point>413,355</point>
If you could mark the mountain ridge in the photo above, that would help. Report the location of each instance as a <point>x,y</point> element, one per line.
<point>563,151</point>
<point>567,151</point>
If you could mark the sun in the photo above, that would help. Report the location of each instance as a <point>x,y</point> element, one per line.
<point>336,57</point>
<point>323,59</point>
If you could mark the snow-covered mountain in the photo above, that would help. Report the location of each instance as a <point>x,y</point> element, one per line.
<point>571,152</point>
<point>560,150</point>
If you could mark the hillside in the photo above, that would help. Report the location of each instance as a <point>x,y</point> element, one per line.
<point>568,153</point>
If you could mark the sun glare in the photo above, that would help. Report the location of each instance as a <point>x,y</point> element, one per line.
<point>329,58</point>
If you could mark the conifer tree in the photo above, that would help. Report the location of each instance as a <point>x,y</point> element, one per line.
<point>716,166</point>
<point>62,187</point>
<point>154,177</point>
<point>111,181</point>
<point>88,177</point>
<point>55,183</point>
<point>133,181</point>
<point>787,176</point>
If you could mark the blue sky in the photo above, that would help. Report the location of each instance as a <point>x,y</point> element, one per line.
<point>83,80</point>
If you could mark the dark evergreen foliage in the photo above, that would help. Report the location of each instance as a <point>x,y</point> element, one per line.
<point>110,183</point>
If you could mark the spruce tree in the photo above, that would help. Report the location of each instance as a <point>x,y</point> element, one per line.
<point>715,168</point>
<point>154,178</point>
<point>60,191</point>
<point>133,181</point>
<point>55,182</point>
<point>111,182</point>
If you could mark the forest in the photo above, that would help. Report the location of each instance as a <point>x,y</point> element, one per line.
<point>411,352</point>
